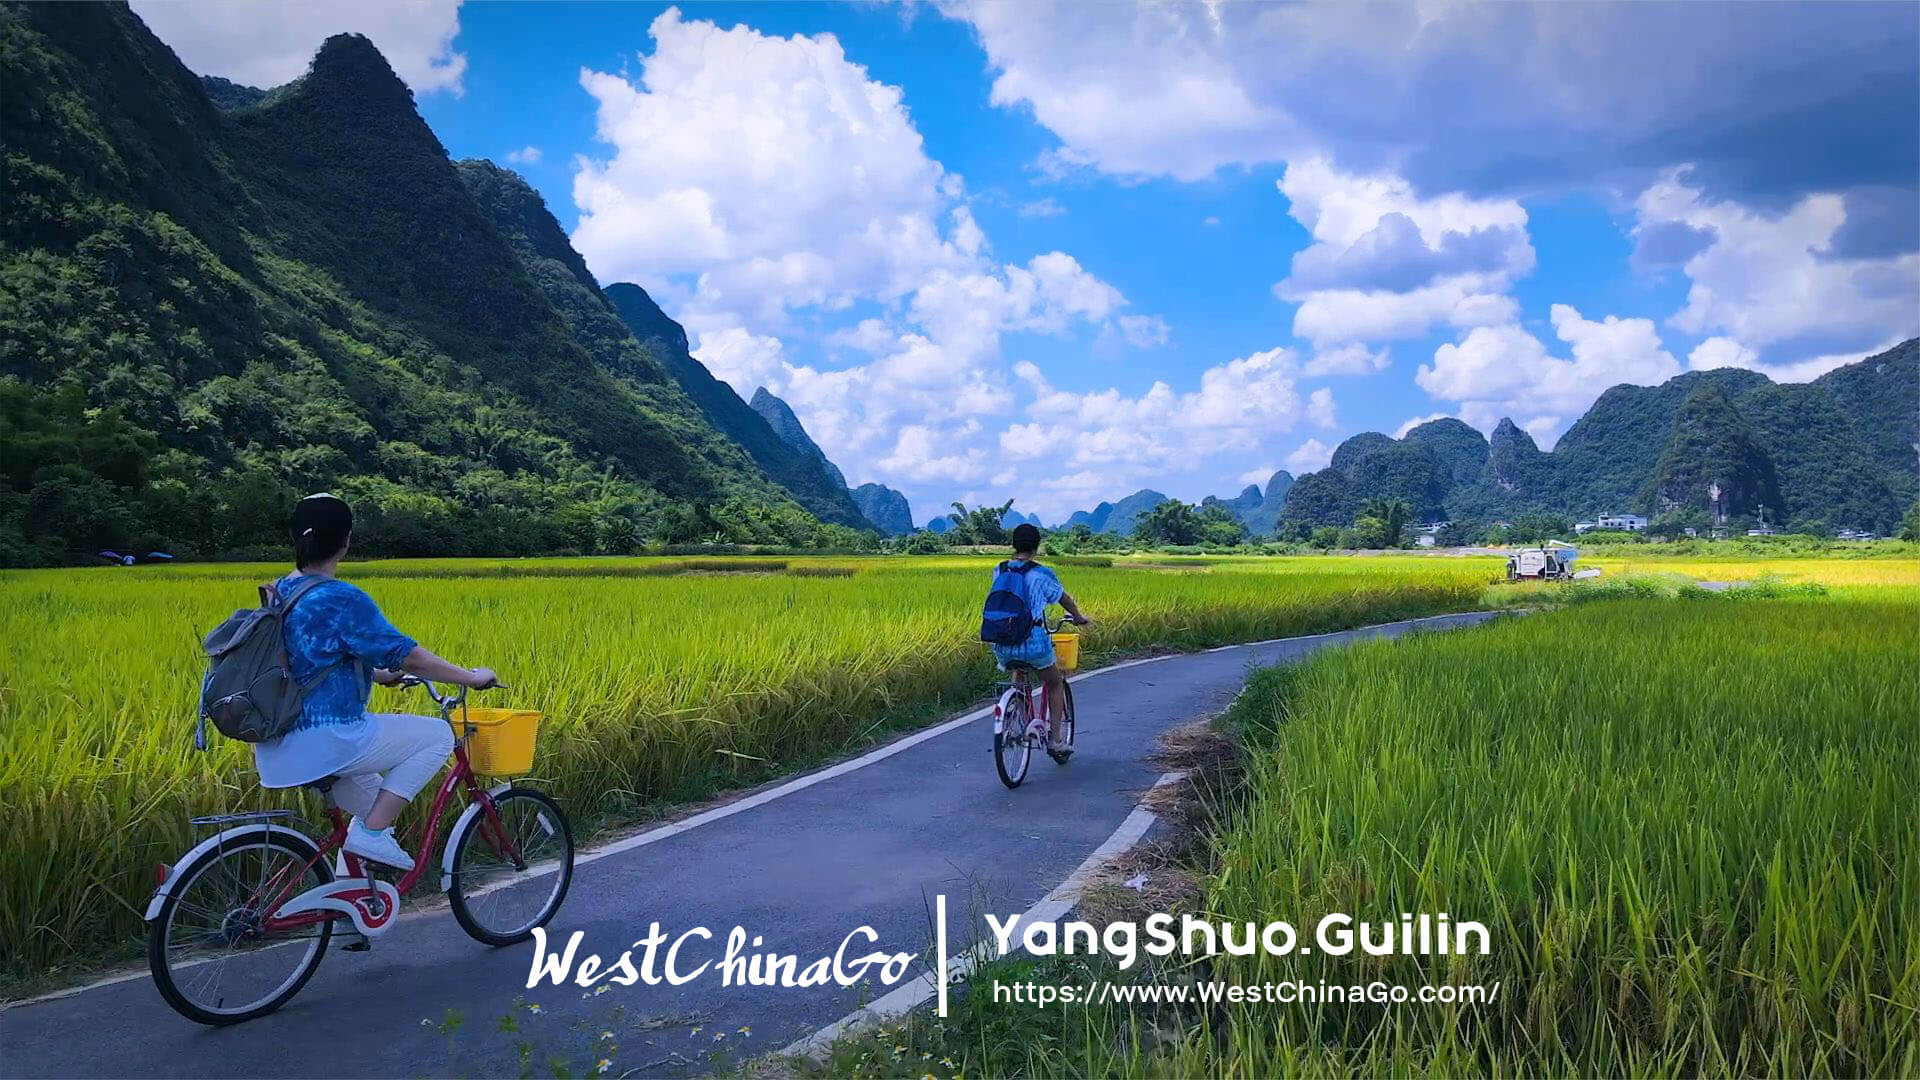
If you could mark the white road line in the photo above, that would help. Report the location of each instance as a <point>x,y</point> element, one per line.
<point>800,783</point>
<point>1050,908</point>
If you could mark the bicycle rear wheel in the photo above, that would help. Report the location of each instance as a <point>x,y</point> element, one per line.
<point>210,957</point>
<point>1011,750</point>
<point>499,899</point>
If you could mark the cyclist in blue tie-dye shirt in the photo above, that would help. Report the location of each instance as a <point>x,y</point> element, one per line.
<point>1043,588</point>
<point>336,632</point>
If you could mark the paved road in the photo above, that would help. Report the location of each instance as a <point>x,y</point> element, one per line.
<point>870,845</point>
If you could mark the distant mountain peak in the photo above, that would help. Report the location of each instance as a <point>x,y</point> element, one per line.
<point>781,418</point>
<point>1507,429</point>
<point>351,63</point>
<point>809,476</point>
<point>1514,461</point>
<point>1355,447</point>
<point>1712,449</point>
<point>885,507</point>
<point>230,95</point>
<point>644,316</point>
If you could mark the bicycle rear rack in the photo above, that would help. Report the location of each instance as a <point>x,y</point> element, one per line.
<point>221,821</point>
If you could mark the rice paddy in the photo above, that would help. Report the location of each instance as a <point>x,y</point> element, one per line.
<point>1691,828</point>
<point>1903,572</point>
<point>662,680</point>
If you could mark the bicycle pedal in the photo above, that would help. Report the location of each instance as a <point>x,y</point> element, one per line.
<point>357,943</point>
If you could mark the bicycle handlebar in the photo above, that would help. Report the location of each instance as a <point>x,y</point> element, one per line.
<point>1062,623</point>
<point>442,700</point>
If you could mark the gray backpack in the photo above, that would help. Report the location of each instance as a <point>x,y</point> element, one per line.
<point>250,693</point>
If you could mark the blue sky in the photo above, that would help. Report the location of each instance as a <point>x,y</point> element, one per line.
<point>1058,252</point>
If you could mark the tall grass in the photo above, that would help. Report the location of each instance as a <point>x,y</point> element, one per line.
<point>1690,827</point>
<point>657,685</point>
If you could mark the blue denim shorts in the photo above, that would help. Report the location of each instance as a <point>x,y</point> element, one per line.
<point>1037,651</point>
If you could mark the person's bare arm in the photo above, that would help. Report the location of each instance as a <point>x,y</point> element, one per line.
<point>425,664</point>
<point>1073,609</point>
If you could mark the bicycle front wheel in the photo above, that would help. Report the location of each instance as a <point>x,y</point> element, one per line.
<point>511,873</point>
<point>1061,755</point>
<point>212,959</point>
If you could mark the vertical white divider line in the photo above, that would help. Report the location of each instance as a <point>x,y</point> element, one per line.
<point>940,945</point>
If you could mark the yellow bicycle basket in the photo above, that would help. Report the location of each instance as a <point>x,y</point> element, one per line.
<point>1066,650</point>
<point>501,740</point>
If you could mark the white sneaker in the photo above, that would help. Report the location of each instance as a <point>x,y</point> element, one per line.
<point>377,845</point>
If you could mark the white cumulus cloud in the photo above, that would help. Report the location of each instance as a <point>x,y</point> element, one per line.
<point>1320,408</point>
<point>1349,359</point>
<point>1463,95</point>
<point>1162,437</point>
<point>1773,283</point>
<point>526,155</point>
<point>1386,263</point>
<point>1310,456</point>
<point>1503,370</point>
<point>1415,421</point>
<point>267,44</point>
<point>771,169</point>
<point>765,185</point>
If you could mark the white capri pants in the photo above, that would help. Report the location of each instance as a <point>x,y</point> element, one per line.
<point>406,753</point>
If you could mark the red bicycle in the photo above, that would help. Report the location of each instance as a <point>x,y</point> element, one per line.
<point>1022,700</point>
<point>242,921</point>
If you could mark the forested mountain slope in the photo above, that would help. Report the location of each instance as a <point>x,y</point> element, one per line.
<point>885,507</point>
<point>808,476</point>
<point>204,313</point>
<point>1842,451</point>
<point>780,417</point>
<point>1836,452</point>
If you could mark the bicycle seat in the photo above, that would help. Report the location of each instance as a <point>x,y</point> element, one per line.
<point>1020,665</point>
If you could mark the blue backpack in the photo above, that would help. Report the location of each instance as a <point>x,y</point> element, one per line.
<point>1007,617</point>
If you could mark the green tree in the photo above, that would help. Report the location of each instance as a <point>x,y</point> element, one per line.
<point>980,525</point>
<point>1170,522</point>
<point>1219,528</point>
<point>1387,520</point>
<point>1539,528</point>
<point>925,543</point>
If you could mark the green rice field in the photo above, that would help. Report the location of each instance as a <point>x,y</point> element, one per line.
<point>662,680</point>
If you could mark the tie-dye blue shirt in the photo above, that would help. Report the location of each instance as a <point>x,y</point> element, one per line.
<point>1043,589</point>
<point>336,629</point>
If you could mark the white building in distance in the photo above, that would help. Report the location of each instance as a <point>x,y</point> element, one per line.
<point>1620,522</point>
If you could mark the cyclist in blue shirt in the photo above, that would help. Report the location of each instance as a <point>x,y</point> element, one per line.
<point>382,760</point>
<point>1043,588</point>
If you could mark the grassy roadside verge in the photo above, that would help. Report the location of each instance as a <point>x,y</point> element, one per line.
<point>1687,824</point>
